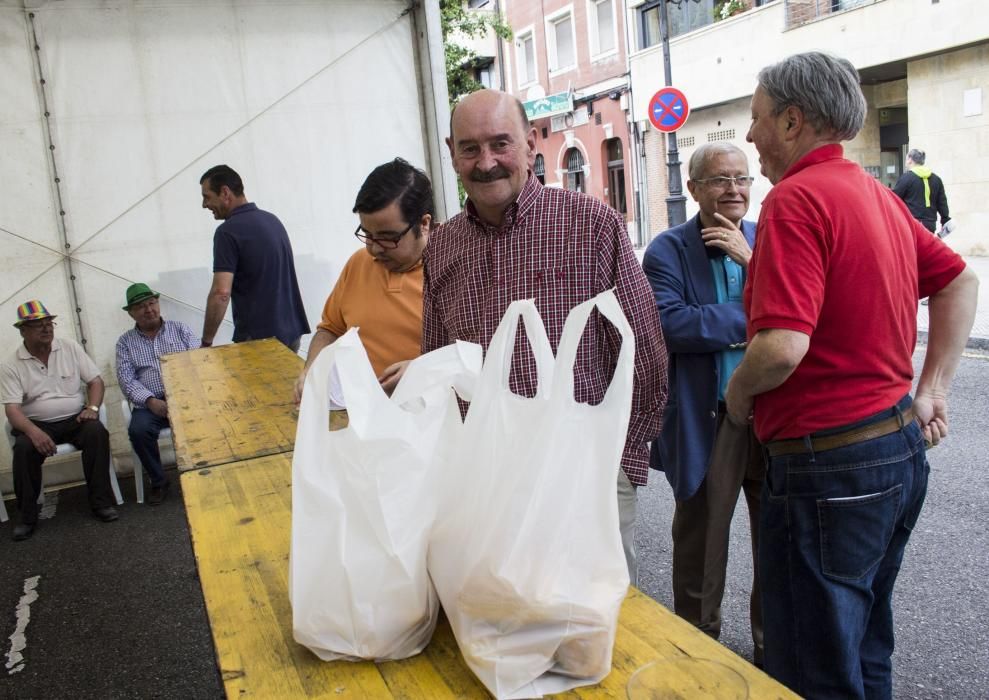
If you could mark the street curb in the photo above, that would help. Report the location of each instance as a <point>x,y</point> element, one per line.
<point>972,343</point>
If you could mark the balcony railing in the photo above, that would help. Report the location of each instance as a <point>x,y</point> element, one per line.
<point>800,12</point>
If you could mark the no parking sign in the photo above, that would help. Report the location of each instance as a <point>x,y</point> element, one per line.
<point>668,109</point>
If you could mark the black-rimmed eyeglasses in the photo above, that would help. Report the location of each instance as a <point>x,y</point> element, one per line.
<point>385,240</point>
<point>722,182</point>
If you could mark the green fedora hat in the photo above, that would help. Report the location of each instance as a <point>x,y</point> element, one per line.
<point>138,292</point>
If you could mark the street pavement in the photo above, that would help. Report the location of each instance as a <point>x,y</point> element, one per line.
<point>119,611</point>
<point>95,610</point>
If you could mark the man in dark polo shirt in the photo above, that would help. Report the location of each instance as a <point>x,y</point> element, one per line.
<point>252,265</point>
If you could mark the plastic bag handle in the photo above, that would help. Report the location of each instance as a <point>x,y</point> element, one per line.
<point>498,360</point>
<point>573,330</point>
<point>357,378</point>
<point>457,365</point>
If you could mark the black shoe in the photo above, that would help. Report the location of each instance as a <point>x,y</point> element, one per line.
<point>158,493</point>
<point>23,531</point>
<point>107,515</point>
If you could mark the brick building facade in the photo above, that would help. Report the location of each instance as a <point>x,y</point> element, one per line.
<point>572,54</point>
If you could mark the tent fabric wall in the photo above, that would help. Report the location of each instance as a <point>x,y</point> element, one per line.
<point>303,98</point>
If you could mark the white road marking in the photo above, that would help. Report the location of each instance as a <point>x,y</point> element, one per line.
<point>48,509</point>
<point>18,642</point>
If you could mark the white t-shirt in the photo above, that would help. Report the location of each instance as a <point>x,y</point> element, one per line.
<point>48,393</point>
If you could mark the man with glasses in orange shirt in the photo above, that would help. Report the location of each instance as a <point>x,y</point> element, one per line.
<point>380,288</point>
<point>41,389</point>
<point>697,271</point>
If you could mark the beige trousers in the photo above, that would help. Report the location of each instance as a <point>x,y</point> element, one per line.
<point>627,501</point>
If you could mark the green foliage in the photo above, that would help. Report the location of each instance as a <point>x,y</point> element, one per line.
<point>728,8</point>
<point>458,22</point>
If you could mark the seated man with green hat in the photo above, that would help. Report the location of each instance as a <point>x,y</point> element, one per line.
<point>139,375</point>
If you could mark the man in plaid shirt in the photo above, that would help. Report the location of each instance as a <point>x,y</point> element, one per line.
<point>139,375</point>
<point>519,240</point>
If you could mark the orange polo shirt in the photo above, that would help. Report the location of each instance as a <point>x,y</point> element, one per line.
<point>385,305</point>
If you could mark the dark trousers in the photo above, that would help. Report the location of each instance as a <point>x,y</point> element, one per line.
<point>143,431</point>
<point>89,436</point>
<point>834,527</point>
<point>701,527</point>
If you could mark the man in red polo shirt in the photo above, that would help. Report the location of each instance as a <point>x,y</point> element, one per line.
<point>831,302</point>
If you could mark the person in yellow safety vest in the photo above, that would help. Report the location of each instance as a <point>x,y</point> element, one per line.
<point>923,193</point>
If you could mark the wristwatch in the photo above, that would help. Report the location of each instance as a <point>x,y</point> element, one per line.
<point>94,408</point>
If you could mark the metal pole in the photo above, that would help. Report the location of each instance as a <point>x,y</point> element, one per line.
<point>676,203</point>
<point>63,233</point>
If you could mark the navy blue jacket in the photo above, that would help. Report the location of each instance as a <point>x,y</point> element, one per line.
<point>695,327</point>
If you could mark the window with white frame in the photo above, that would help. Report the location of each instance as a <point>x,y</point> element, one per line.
<point>683,17</point>
<point>561,42</point>
<point>575,170</point>
<point>525,46</point>
<point>601,27</point>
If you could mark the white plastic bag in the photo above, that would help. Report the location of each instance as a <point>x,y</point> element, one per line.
<point>528,560</point>
<point>363,500</point>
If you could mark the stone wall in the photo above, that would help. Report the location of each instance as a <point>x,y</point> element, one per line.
<point>957,145</point>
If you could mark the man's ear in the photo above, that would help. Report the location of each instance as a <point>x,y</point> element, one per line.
<point>794,118</point>
<point>691,187</point>
<point>449,144</point>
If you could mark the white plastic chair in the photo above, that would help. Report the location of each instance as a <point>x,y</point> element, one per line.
<point>166,433</point>
<point>64,448</point>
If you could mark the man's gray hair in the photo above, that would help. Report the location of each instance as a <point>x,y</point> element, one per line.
<point>698,159</point>
<point>917,156</point>
<point>824,87</point>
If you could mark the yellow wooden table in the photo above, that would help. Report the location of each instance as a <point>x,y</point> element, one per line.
<point>231,402</point>
<point>240,518</point>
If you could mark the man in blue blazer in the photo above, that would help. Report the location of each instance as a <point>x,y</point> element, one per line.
<point>697,272</point>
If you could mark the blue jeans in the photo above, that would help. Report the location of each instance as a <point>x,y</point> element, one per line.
<point>144,429</point>
<point>832,533</point>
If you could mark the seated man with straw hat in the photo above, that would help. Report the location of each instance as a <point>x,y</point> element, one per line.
<point>139,375</point>
<point>41,386</point>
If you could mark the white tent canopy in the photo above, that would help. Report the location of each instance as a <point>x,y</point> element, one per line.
<point>112,110</point>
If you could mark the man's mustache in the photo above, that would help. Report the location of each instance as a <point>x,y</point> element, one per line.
<point>497,173</point>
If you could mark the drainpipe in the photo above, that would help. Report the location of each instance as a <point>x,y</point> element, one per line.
<point>435,105</point>
<point>641,187</point>
<point>500,53</point>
